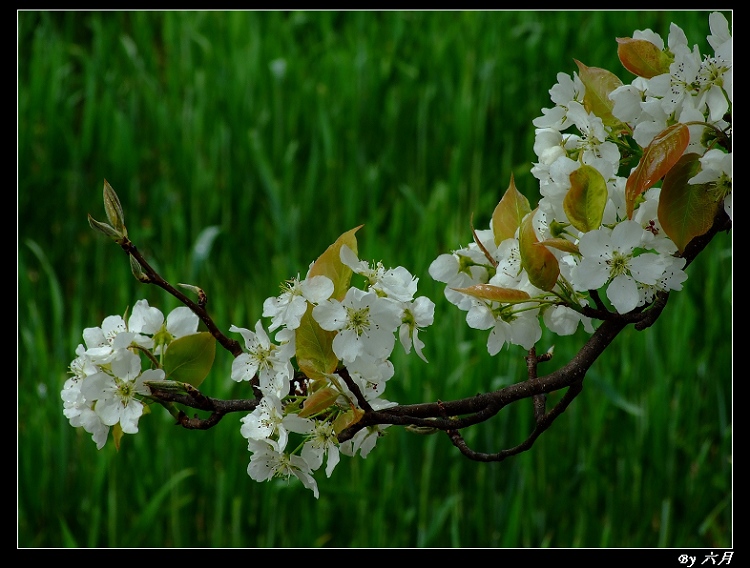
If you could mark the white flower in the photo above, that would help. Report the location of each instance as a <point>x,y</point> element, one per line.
<point>80,413</point>
<point>716,171</point>
<point>416,315</point>
<point>649,35</point>
<point>720,35</point>
<point>180,322</point>
<point>628,99</point>
<point>76,408</point>
<point>321,442</point>
<point>145,319</point>
<point>270,362</point>
<point>597,151</point>
<point>82,366</point>
<point>365,324</point>
<point>371,377</point>
<point>288,308</point>
<point>363,441</point>
<point>566,90</point>
<point>680,84</point>
<point>460,269</point>
<point>115,393</point>
<point>395,283</point>
<point>609,256</point>
<point>268,422</point>
<point>508,270</point>
<point>267,463</point>
<point>672,279</point>
<point>509,324</point>
<point>647,215</point>
<point>563,320</point>
<point>103,342</point>
<point>653,121</point>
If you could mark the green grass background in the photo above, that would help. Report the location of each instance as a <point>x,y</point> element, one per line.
<point>275,133</point>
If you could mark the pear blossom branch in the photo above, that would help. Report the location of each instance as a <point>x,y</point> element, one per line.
<point>496,280</point>
<point>449,416</point>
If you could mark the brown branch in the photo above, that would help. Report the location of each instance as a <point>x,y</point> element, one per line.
<point>354,387</point>
<point>197,400</point>
<point>542,424</point>
<point>150,276</point>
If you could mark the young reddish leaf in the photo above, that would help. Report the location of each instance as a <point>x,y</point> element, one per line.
<point>348,418</point>
<point>319,401</point>
<point>329,264</point>
<point>189,359</point>
<point>495,293</point>
<point>685,210</point>
<point>599,84</point>
<point>509,213</point>
<point>314,348</point>
<point>560,244</point>
<point>642,58</point>
<point>663,152</point>
<point>585,201</point>
<point>540,264</point>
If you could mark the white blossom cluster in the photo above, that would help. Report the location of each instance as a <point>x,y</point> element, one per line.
<point>632,258</point>
<point>107,385</point>
<point>365,323</point>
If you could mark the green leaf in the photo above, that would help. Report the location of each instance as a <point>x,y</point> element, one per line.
<point>663,153</point>
<point>113,208</point>
<point>495,293</point>
<point>585,201</point>
<point>642,58</point>
<point>509,213</point>
<point>686,210</point>
<point>189,359</point>
<point>104,228</point>
<point>540,264</point>
<point>329,264</point>
<point>599,84</point>
<point>315,356</point>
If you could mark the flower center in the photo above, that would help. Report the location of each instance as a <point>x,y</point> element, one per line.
<point>124,391</point>
<point>358,320</point>
<point>618,264</point>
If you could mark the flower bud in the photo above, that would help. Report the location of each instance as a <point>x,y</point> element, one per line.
<point>114,210</point>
